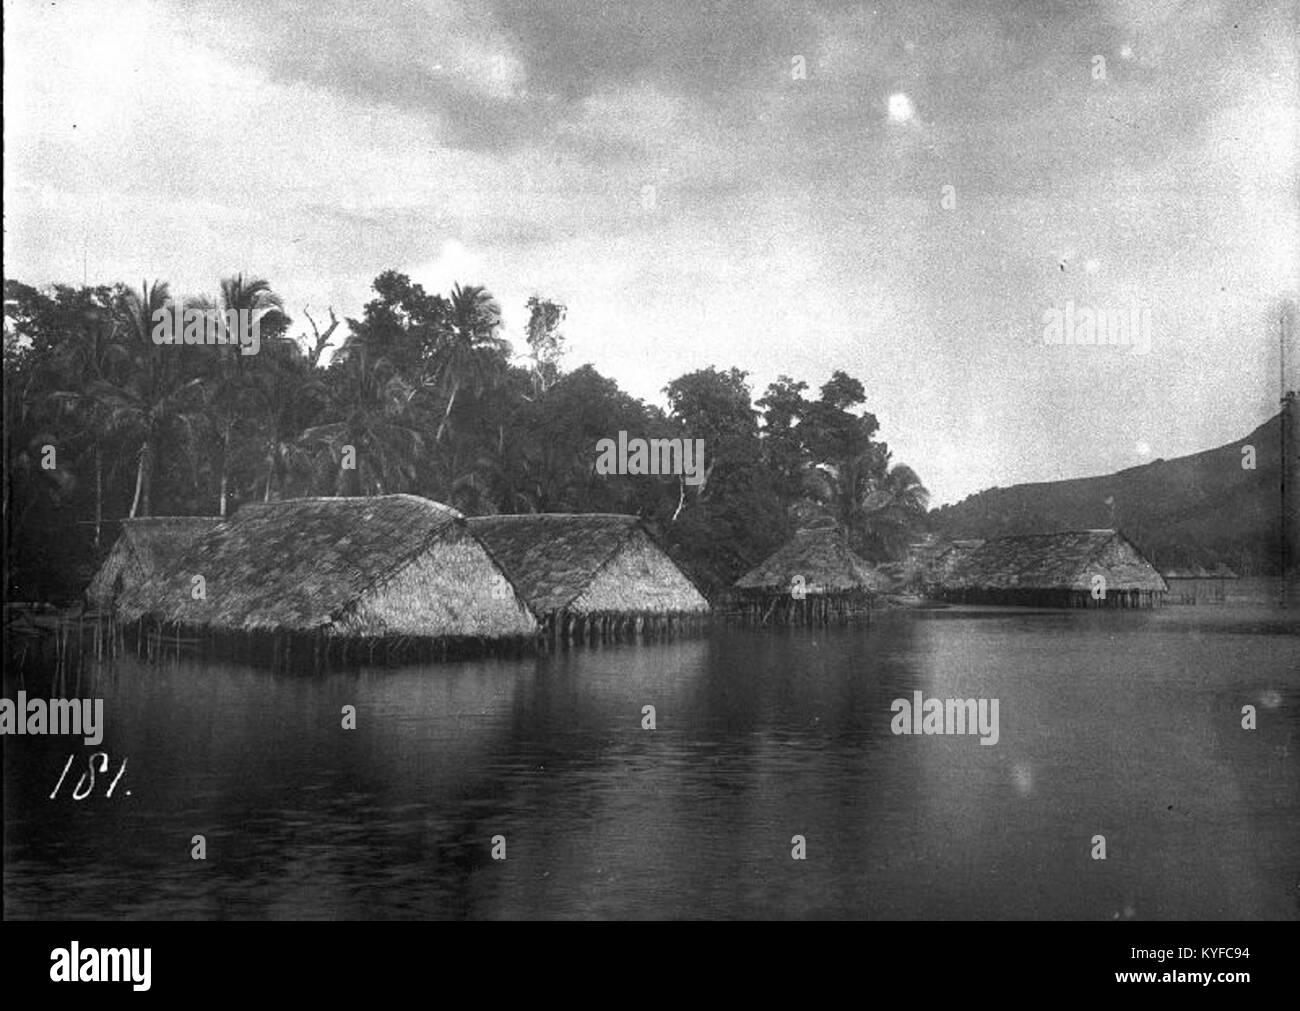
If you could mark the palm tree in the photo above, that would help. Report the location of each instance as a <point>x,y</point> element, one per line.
<point>370,405</point>
<point>281,393</point>
<point>153,394</point>
<point>893,509</point>
<point>876,504</point>
<point>468,354</point>
<point>82,364</point>
<point>227,379</point>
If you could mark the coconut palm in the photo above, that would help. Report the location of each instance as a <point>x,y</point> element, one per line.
<point>369,407</point>
<point>226,379</point>
<point>82,363</point>
<point>468,354</point>
<point>281,394</point>
<point>154,395</point>
<point>893,509</point>
<point>877,504</point>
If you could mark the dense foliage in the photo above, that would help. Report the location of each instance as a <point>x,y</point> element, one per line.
<point>423,395</point>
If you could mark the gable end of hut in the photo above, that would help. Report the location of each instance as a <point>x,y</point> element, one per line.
<point>639,577</point>
<point>444,589</point>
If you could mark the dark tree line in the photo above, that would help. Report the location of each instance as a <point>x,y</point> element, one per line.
<point>423,395</point>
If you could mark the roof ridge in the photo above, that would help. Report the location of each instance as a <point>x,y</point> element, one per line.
<point>522,516</point>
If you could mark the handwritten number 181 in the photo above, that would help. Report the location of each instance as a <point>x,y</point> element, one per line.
<point>77,792</point>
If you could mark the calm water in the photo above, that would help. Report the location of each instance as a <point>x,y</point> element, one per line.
<point>1123,724</point>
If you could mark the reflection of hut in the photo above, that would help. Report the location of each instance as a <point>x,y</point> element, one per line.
<point>1084,568</point>
<point>592,574</point>
<point>145,549</point>
<point>394,570</point>
<point>1198,585</point>
<point>813,579</point>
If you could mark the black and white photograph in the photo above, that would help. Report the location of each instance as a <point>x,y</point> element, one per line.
<point>648,460</point>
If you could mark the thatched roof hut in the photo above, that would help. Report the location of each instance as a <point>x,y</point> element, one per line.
<point>813,578</point>
<point>591,573</point>
<point>1197,584</point>
<point>1057,569</point>
<point>145,549</point>
<point>930,562</point>
<point>382,567</point>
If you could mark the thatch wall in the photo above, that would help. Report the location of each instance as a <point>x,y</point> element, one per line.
<point>1051,570</point>
<point>392,565</point>
<point>639,578</point>
<point>146,548</point>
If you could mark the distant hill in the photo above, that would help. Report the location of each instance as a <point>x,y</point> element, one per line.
<point>1199,509</point>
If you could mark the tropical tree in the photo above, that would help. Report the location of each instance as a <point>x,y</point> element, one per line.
<point>249,304</point>
<point>545,342</point>
<point>284,394</point>
<point>468,353</point>
<point>82,364</point>
<point>152,394</point>
<point>368,435</point>
<point>879,506</point>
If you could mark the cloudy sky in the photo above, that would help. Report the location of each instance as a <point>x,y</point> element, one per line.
<point>901,191</point>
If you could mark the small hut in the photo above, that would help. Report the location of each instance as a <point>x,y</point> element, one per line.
<point>1199,585</point>
<point>813,579</point>
<point>1052,570</point>
<point>941,563</point>
<point>398,572</point>
<point>592,575</point>
<point>145,549</point>
<point>911,573</point>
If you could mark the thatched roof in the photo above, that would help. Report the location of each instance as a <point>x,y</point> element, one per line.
<point>391,564</point>
<point>822,558</point>
<point>586,563</point>
<point>146,548</point>
<point>1061,561</point>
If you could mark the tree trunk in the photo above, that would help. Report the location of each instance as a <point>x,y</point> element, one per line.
<point>455,388</point>
<point>681,499</point>
<point>99,492</point>
<point>139,477</point>
<point>270,474</point>
<point>225,467</point>
<point>146,487</point>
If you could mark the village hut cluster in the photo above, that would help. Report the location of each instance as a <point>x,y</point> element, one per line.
<point>1081,568</point>
<point>815,578</point>
<point>387,577</point>
<point>393,576</point>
